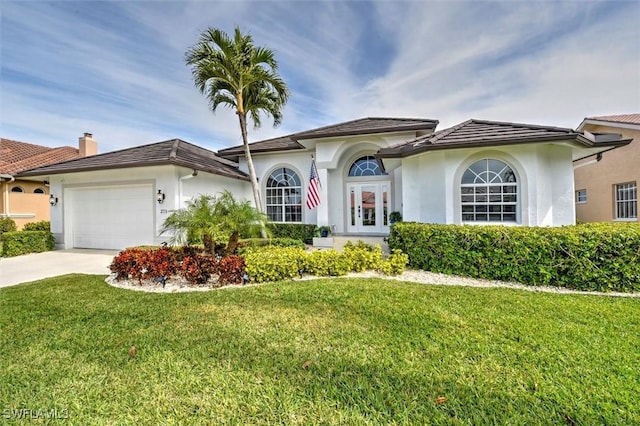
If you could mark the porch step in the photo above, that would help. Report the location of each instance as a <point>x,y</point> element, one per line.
<point>339,241</point>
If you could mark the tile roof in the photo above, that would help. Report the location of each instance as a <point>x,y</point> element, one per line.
<point>175,151</point>
<point>480,133</point>
<point>620,118</point>
<point>362,126</point>
<point>16,156</point>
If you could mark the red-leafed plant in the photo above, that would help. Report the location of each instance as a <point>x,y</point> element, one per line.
<point>136,263</point>
<point>231,269</point>
<point>198,269</point>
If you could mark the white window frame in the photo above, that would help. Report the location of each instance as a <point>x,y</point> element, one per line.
<point>495,183</point>
<point>581,196</point>
<point>279,192</point>
<point>626,201</point>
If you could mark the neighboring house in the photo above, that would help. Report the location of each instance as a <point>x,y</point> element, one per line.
<point>475,172</point>
<point>27,201</point>
<point>607,186</point>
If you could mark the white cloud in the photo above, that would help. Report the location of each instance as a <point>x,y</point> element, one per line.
<point>124,79</point>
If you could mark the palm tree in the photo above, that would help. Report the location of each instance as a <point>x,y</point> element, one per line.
<point>210,220</point>
<point>241,76</point>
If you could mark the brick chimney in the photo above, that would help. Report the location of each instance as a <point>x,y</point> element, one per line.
<point>87,145</point>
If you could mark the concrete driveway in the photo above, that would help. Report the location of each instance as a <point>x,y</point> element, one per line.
<point>36,266</point>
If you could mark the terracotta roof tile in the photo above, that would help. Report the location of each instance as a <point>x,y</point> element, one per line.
<point>16,156</point>
<point>620,118</point>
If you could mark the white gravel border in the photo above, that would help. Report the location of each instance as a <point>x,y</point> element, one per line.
<point>177,285</point>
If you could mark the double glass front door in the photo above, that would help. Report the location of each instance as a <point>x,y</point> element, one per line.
<point>368,207</point>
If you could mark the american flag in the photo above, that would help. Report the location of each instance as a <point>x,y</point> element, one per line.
<point>313,195</point>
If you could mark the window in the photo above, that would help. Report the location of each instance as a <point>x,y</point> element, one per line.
<point>626,200</point>
<point>284,196</point>
<point>17,189</point>
<point>365,166</point>
<point>489,192</point>
<point>581,196</point>
<point>39,191</point>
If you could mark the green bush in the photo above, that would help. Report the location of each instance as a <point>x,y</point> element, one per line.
<point>297,231</point>
<point>394,264</point>
<point>272,242</point>
<point>274,264</point>
<point>43,225</point>
<point>596,256</point>
<point>327,263</point>
<point>7,225</point>
<point>362,256</point>
<point>283,263</point>
<point>24,242</point>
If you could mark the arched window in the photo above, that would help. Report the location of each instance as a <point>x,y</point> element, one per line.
<point>489,192</point>
<point>365,166</point>
<point>38,191</point>
<point>284,196</point>
<point>17,189</point>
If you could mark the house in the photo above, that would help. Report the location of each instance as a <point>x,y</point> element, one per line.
<point>607,186</point>
<point>475,172</point>
<point>120,199</point>
<point>27,201</point>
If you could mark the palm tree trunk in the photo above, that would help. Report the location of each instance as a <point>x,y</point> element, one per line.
<point>252,171</point>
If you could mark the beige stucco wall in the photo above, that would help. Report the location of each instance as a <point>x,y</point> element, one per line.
<point>24,207</point>
<point>620,165</point>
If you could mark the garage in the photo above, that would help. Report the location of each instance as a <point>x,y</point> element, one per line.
<point>113,217</point>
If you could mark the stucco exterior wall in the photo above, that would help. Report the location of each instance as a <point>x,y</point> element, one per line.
<point>620,165</point>
<point>431,183</point>
<point>333,158</point>
<point>164,178</point>
<point>27,206</point>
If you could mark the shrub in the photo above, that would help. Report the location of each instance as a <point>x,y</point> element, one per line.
<point>144,263</point>
<point>7,225</point>
<point>362,256</point>
<point>597,256</point>
<point>327,263</point>
<point>274,264</point>
<point>199,268</point>
<point>231,269</point>
<point>271,242</point>
<point>24,242</point>
<point>43,225</point>
<point>394,264</point>
<point>297,231</point>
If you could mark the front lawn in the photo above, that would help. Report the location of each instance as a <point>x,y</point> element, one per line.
<point>334,351</point>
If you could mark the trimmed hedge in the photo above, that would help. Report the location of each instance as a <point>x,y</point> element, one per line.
<point>595,256</point>
<point>297,231</point>
<point>273,242</point>
<point>7,225</point>
<point>283,263</point>
<point>24,242</point>
<point>43,225</point>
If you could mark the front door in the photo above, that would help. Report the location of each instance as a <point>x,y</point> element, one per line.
<point>368,207</point>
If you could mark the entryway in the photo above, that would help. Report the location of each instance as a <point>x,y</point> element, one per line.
<point>368,207</point>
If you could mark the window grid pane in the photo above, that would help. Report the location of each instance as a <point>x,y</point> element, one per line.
<point>626,201</point>
<point>284,196</point>
<point>489,192</point>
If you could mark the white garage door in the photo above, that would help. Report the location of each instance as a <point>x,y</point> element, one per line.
<point>112,217</point>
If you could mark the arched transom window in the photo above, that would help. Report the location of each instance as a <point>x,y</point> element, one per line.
<point>489,192</point>
<point>284,196</point>
<point>365,166</point>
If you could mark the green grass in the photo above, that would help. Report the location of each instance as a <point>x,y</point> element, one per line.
<point>381,352</point>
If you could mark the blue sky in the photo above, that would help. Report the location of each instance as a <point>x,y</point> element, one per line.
<point>116,69</point>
